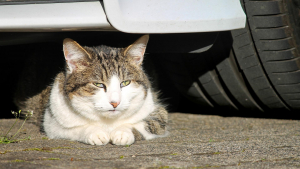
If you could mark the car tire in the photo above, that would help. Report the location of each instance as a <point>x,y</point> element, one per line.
<point>254,68</point>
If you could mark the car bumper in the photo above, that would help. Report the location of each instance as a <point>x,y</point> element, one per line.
<point>174,16</point>
<point>130,16</point>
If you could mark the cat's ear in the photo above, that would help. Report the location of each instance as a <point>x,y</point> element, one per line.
<point>75,55</point>
<point>137,50</point>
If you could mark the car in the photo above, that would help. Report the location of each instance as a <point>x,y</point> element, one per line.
<point>242,55</point>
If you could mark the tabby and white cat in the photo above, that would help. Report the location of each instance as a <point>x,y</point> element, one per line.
<point>102,96</point>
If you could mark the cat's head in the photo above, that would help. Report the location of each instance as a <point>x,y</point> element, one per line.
<point>105,81</point>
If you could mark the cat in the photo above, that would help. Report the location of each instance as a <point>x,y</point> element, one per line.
<point>101,96</point>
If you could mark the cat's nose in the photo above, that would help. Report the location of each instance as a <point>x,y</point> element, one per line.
<point>114,104</point>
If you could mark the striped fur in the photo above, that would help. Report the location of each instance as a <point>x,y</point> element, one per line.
<point>77,109</point>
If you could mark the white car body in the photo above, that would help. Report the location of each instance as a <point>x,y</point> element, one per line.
<point>130,16</point>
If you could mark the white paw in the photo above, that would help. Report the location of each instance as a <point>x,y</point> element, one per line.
<point>97,137</point>
<point>122,137</point>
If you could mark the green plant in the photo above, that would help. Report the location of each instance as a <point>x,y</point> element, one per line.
<point>5,139</point>
<point>45,138</point>
<point>18,161</point>
<point>53,159</point>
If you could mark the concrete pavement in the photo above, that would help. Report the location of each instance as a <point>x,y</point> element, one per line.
<point>195,141</point>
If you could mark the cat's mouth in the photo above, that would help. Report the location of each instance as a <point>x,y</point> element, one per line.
<point>113,112</point>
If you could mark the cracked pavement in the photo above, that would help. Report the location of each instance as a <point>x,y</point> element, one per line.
<point>195,141</point>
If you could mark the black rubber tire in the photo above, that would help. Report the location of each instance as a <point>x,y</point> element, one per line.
<point>258,69</point>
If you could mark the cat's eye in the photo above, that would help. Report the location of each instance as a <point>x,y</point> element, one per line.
<point>125,83</point>
<point>101,85</point>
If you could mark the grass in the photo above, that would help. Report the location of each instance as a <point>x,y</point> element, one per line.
<point>5,139</point>
<point>33,149</point>
<point>53,159</point>
<point>45,138</point>
<point>18,161</point>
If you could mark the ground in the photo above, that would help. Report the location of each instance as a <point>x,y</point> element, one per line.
<point>195,141</point>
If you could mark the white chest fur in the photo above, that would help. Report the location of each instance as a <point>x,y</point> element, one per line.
<point>64,120</point>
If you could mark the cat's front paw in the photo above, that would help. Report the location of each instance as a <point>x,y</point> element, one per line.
<point>122,137</point>
<point>97,137</point>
